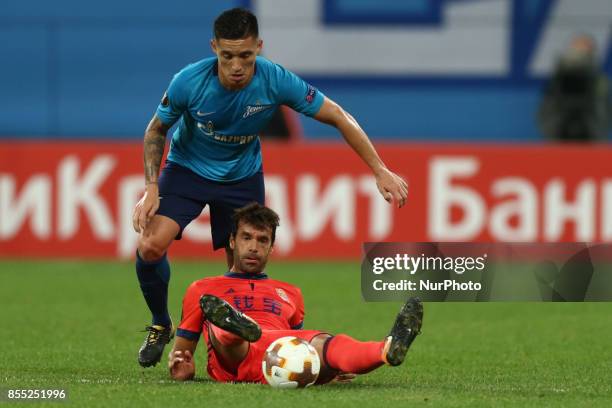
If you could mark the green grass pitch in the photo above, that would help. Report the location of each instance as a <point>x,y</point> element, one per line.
<point>75,325</point>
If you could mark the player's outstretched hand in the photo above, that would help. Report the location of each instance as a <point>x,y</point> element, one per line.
<point>146,208</point>
<point>181,365</point>
<point>392,187</point>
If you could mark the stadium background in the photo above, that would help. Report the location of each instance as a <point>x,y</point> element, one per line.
<point>80,81</point>
<point>447,90</point>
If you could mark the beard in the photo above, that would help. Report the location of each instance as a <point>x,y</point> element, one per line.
<point>251,264</point>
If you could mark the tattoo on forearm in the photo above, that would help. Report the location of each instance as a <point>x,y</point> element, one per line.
<point>154,144</point>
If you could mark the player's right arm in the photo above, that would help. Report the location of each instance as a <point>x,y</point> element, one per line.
<point>180,360</point>
<point>174,102</point>
<point>154,143</point>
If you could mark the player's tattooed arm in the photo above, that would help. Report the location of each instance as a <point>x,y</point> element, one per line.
<point>154,144</point>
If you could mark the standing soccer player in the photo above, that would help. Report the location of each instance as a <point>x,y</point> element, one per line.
<point>221,104</point>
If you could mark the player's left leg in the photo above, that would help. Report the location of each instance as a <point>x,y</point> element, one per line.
<point>342,353</point>
<point>326,373</point>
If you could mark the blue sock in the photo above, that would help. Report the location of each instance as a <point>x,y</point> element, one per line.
<point>154,277</point>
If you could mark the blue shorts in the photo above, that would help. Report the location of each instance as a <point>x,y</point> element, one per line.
<point>184,194</point>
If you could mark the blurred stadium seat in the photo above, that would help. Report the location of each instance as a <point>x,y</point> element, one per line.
<point>441,69</point>
<point>410,71</point>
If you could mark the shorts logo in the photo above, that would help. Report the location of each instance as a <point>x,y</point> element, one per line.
<point>282,294</point>
<point>254,109</point>
<point>311,93</point>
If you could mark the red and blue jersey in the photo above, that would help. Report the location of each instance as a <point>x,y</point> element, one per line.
<point>275,305</point>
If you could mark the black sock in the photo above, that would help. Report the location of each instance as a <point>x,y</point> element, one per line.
<point>154,277</point>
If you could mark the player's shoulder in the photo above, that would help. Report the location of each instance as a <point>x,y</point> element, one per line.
<point>196,70</point>
<point>264,63</point>
<point>201,284</point>
<point>210,285</point>
<point>195,286</point>
<point>289,288</point>
<point>270,69</point>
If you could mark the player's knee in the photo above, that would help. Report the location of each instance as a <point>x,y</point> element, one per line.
<point>150,249</point>
<point>326,373</point>
<point>318,342</point>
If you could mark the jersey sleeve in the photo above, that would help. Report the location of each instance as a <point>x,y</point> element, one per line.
<point>297,93</point>
<point>191,315</point>
<point>296,321</point>
<point>174,102</point>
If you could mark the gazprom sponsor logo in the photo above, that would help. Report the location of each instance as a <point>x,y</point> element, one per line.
<point>209,130</point>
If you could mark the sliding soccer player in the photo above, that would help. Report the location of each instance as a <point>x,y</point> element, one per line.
<point>242,312</point>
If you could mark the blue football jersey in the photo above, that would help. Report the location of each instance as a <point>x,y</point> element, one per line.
<point>217,134</point>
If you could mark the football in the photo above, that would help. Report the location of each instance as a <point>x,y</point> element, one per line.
<point>290,362</point>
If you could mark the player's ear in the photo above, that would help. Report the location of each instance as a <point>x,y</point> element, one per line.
<point>232,241</point>
<point>213,45</point>
<point>259,45</point>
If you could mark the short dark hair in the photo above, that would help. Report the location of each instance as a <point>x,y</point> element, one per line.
<point>257,215</point>
<point>235,24</point>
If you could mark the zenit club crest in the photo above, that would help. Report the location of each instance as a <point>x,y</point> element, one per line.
<point>251,110</point>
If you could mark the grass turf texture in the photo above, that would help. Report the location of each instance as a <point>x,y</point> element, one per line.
<point>74,325</point>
